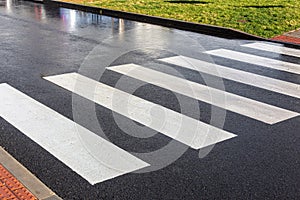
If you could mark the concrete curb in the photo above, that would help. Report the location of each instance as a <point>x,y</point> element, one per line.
<point>33,184</point>
<point>182,25</point>
<point>36,1</point>
<point>217,31</point>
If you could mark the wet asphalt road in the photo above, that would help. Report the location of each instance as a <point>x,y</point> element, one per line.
<point>262,162</point>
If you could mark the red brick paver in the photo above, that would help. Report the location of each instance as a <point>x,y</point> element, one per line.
<point>11,188</point>
<point>289,39</point>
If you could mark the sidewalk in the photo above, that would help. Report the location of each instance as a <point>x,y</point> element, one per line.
<point>16,182</point>
<point>291,37</point>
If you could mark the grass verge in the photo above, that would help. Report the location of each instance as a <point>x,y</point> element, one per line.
<point>265,18</point>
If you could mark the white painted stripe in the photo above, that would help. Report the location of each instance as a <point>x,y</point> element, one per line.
<point>62,138</point>
<point>274,49</point>
<point>275,85</point>
<point>248,107</point>
<point>256,60</point>
<point>189,131</point>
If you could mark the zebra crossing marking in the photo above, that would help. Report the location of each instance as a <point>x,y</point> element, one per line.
<point>60,136</point>
<point>257,60</point>
<point>267,83</point>
<point>241,105</point>
<point>189,131</point>
<point>274,48</point>
<point>45,126</point>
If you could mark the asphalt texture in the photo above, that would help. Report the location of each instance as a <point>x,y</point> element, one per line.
<point>262,162</point>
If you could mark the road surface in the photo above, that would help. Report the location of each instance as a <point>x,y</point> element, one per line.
<point>104,108</point>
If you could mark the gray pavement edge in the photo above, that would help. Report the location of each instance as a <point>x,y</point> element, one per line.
<point>32,183</point>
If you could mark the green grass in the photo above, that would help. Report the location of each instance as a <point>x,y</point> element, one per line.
<point>265,18</point>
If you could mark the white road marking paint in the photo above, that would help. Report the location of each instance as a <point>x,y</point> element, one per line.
<point>189,131</point>
<point>271,84</point>
<point>274,48</point>
<point>248,107</point>
<point>257,60</point>
<point>62,138</point>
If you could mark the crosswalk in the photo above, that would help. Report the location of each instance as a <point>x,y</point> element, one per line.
<point>241,105</point>
<point>264,82</point>
<point>274,49</point>
<point>256,60</point>
<point>59,135</point>
<point>193,134</point>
